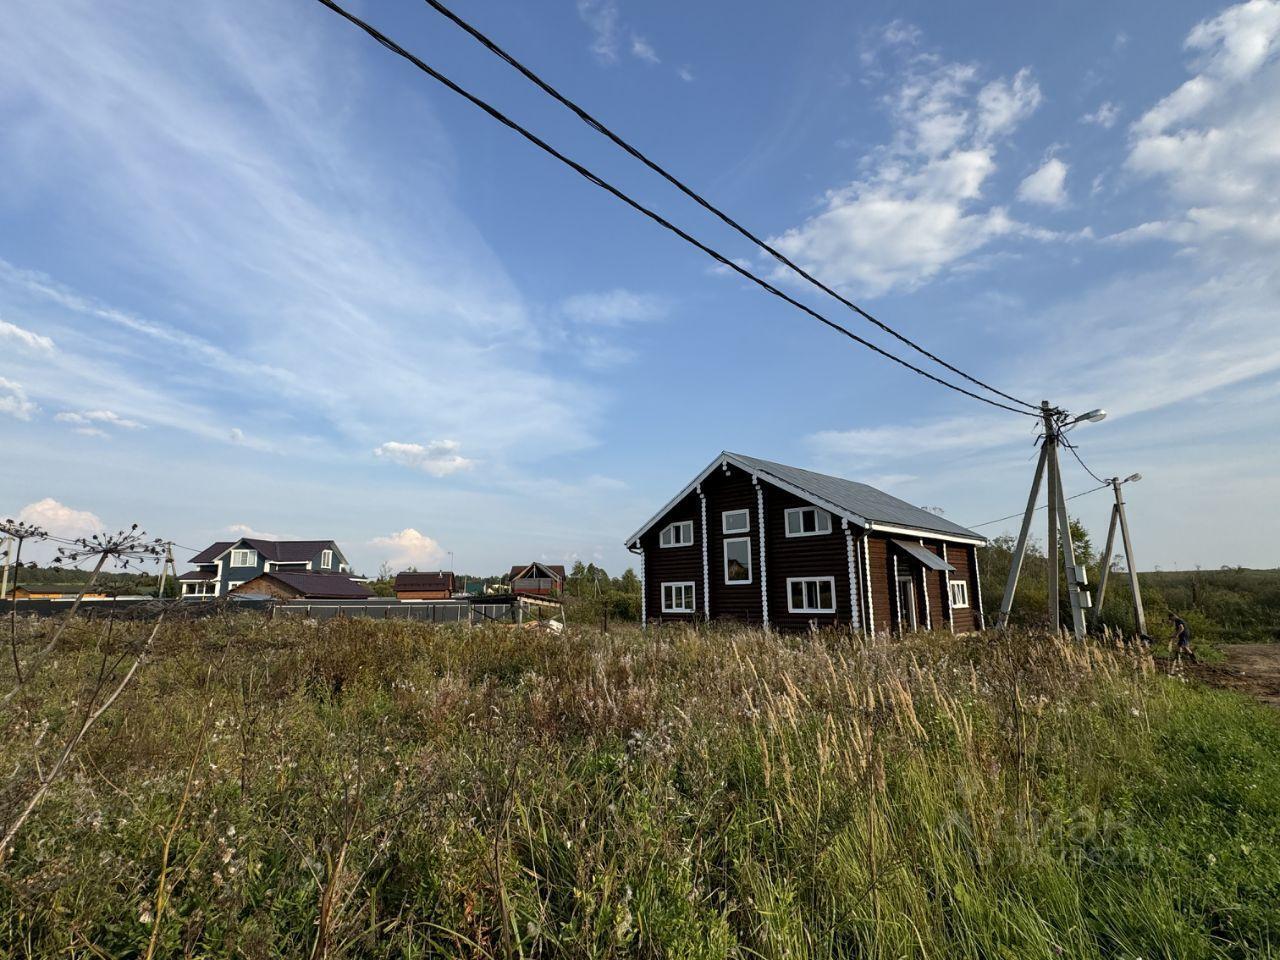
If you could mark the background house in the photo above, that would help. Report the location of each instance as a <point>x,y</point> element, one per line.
<point>537,579</point>
<point>412,585</point>
<point>763,542</point>
<point>303,585</point>
<point>225,565</point>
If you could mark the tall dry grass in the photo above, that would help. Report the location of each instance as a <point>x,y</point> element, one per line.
<point>284,789</point>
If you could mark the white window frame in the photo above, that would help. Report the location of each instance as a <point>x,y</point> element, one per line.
<point>693,594</point>
<point>232,584</point>
<point>807,609</point>
<point>682,524</point>
<point>751,570</point>
<point>818,514</point>
<point>244,552</point>
<point>326,559</point>
<point>724,521</point>
<point>964,589</point>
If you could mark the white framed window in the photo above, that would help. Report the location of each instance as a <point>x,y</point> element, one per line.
<point>737,560</point>
<point>326,559</point>
<point>197,588</point>
<point>807,521</point>
<point>959,593</point>
<point>678,534</point>
<point>677,597</point>
<point>232,584</point>
<point>735,521</point>
<point>244,558</point>
<point>811,594</point>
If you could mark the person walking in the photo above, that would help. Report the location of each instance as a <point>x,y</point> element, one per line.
<point>1182,639</point>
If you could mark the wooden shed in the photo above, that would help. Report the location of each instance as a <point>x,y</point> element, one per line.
<point>769,544</point>
<point>424,586</point>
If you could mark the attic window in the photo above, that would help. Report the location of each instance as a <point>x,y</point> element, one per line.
<point>736,521</point>
<point>807,522</point>
<point>326,559</point>
<point>244,558</point>
<point>677,534</point>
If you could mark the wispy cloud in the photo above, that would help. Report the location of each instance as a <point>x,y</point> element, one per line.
<point>1047,185</point>
<point>1105,116</point>
<point>920,210</point>
<point>25,338</point>
<point>439,458</point>
<point>602,19</point>
<point>642,49</point>
<point>14,401</point>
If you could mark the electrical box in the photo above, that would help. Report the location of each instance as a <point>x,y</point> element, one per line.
<point>1082,576</point>
<point>1086,600</point>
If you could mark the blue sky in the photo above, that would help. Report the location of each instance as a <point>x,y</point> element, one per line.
<point>259,275</point>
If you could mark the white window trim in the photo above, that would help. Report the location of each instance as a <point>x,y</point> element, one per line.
<point>818,511</point>
<point>326,559</point>
<point>951,593</point>
<point>830,580</point>
<point>232,584</point>
<point>751,569</point>
<point>670,526</point>
<point>724,521</point>
<point>250,553</point>
<point>693,588</point>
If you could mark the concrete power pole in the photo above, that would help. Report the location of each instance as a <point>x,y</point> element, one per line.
<point>1118,517</point>
<point>1059,530</point>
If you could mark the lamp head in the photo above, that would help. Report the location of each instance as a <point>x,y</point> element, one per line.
<point>1132,478</point>
<point>1093,416</point>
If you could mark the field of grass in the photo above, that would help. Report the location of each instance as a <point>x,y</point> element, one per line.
<point>359,789</point>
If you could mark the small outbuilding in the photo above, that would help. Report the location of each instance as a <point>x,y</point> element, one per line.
<point>437,585</point>
<point>300,585</point>
<point>537,579</point>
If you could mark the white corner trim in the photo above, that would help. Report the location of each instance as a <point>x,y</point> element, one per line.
<point>854,619</point>
<point>764,567</point>
<point>866,575</point>
<point>644,594</point>
<point>706,568</point>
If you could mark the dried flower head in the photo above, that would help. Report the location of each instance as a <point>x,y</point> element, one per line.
<point>125,547</point>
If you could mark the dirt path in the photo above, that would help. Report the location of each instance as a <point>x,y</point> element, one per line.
<point>1251,668</point>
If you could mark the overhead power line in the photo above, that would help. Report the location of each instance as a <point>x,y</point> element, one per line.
<point>1080,460</point>
<point>1083,493</point>
<point>657,218</point>
<point>692,194</point>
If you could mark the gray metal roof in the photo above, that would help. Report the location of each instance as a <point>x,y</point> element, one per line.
<point>856,498</point>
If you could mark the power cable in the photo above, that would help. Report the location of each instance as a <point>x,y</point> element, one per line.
<point>1080,460</point>
<point>692,194</point>
<point>1083,493</point>
<point>582,171</point>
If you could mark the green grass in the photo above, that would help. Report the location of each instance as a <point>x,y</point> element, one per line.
<point>396,790</point>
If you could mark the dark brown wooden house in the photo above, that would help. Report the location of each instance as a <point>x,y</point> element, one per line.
<point>424,586</point>
<point>764,543</point>
<point>537,579</point>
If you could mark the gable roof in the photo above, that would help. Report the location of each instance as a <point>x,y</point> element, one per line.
<point>320,586</point>
<point>410,580</point>
<point>858,502</point>
<point>277,551</point>
<point>555,569</point>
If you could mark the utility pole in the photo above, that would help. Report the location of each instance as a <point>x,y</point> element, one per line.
<point>166,565</point>
<point>1059,527</point>
<point>1118,517</point>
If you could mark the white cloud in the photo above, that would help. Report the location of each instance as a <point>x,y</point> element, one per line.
<point>438,458</point>
<point>1213,143</point>
<point>602,18</point>
<point>91,422</point>
<point>642,49</point>
<point>14,400</point>
<point>245,530</point>
<point>919,209</point>
<point>28,339</point>
<point>1105,116</point>
<point>59,519</point>
<point>409,548</point>
<point>1047,185</point>
<point>613,308</point>
<point>854,449</point>
<point>685,74</point>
